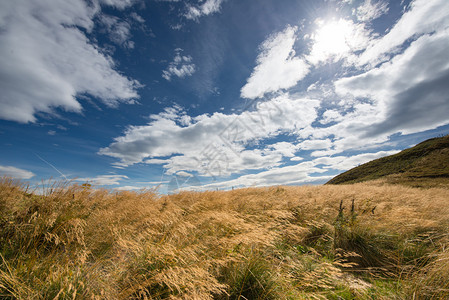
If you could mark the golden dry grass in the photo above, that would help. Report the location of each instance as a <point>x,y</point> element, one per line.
<point>76,242</point>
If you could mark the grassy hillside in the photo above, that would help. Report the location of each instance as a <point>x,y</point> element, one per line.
<point>323,242</point>
<point>420,165</point>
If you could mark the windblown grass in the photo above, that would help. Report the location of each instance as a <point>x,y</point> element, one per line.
<point>76,242</point>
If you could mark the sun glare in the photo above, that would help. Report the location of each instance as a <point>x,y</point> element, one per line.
<point>332,39</point>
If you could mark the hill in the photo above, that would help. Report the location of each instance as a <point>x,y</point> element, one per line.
<point>426,164</point>
<point>359,241</point>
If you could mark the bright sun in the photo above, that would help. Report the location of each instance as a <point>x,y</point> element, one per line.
<point>331,40</point>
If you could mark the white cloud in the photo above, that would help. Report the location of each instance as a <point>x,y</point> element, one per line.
<point>344,163</point>
<point>119,4</point>
<point>424,16</point>
<point>330,116</point>
<point>181,66</point>
<point>218,138</point>
<point>296,174</point>
<point>128,188</point>
<point>103,179</point>
<point>119,31</point>
<point>315,144</point>
<point>46,60</point>
<point>369,11</point>
<point>351,132</point>
<point>408,93</point>
<point>194,12</point>
<point>284,148</point>
<point>184,174</point>
<point>156,161</point>
<point>15,172</point>
<point>137,18</point>
<point>296,158</point>
<point>302,173</point>
<point>277,66</point>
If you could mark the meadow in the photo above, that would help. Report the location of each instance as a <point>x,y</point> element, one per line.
<point>369,240</point>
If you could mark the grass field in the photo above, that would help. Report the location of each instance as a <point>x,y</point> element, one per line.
<point>362,241</point>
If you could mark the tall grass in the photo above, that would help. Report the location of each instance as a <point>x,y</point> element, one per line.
<point>365,241</point>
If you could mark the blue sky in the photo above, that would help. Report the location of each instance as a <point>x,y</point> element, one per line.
<point>215,94</point>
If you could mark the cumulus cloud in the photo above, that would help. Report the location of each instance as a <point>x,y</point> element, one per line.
<point>194,12</point>
<point>217,139</point>
<point>277,66</point>
<point>46,59</point>
<point>15,172</point>
<point>330,116</point>
<point>315,144</point>
<point>284,148</point>
<point>104,179</point>
<point>181,66</point>
<point>296,158</point>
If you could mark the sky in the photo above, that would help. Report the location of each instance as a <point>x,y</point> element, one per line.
<point>216,94</point>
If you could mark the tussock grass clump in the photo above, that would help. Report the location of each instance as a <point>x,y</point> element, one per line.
<point>431,279</point>
<point>250,276</point>
<point>364,241</point>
